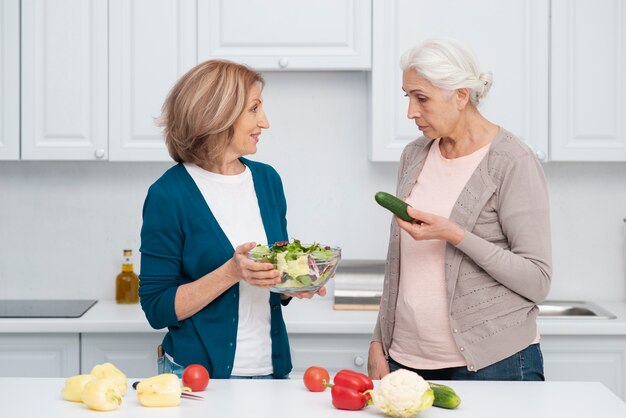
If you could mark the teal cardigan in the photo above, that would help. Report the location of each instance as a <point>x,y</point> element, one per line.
<point>182,241</point>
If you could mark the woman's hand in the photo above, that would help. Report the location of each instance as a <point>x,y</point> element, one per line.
<point>428,226</point>
<point>254,273</point>
<point>377,366</point>
<point>307,295</point>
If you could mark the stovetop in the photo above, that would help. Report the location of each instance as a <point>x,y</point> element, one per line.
<point>44,308</point>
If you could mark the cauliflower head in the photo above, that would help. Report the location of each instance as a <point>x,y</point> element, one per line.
<point>402,394</point>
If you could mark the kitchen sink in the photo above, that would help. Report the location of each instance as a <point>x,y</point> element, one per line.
<point>573,310</point>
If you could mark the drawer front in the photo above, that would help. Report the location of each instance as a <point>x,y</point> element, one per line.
<point>333,352</point>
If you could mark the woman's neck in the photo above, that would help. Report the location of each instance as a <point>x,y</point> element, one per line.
<point>225,167</point>
<point>472,133</point>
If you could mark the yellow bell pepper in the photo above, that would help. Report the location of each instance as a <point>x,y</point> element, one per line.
<point>101,394</point>
<point>160,390</point>
<point>109,371</point>
<point>74,386</point>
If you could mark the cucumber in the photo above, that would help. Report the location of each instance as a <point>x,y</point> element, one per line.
<point>395,205</point>
<point>445,396</point>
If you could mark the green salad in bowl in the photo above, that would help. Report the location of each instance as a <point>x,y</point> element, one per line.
<point>303,268</point>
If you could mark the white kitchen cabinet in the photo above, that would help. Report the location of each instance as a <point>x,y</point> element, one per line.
<point>39,355</point>
<point>331,351</point>
<point>510,39</point>
<point>286,34</point>
<point>586,358</point>
<point>64,80</point>
<point>151,44</point>
<point>588,105</point>
<point>134,354</point>
<point>9,79</point>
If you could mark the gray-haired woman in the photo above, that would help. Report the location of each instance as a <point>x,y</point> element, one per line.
<point>463,280</point>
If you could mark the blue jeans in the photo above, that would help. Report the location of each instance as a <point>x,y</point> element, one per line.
<point>524,365</point>
<point>165,365</point>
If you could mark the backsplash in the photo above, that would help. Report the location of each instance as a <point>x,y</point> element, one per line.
<point>63,225</point>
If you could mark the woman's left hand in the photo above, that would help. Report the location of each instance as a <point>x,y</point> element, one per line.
<point>429,226</point>
<point>307,295</point>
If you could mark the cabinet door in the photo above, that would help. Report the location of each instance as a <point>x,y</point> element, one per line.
<point>133,354</point>
<point>509,38</point>
<point>39,355</point>
<point>152,43</point>
<point>9,80</point>
<point>64,79</point>
<point>286,34</point>
<point>333,352</point>
<point>586,358</point>
<point>588,109</point>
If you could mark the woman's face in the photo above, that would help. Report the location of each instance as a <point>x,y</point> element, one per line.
<point>435,111</point>
<point>248,125</point>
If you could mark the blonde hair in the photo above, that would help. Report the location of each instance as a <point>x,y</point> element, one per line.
<point>198,114</point>
<point>448,65</point>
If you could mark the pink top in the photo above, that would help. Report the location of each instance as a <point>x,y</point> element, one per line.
<point>422,338</point>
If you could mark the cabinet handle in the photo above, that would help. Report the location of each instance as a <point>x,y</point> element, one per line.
<point>283,62</point>
<point>99,153</point>
<point>359,361</point>
<point>541,155</point>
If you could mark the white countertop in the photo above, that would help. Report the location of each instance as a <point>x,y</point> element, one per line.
<point>41,397</point>
<point>301,317</point>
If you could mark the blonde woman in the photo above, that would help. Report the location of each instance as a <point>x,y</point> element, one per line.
<point>201,218</point>
<point>463,281</point>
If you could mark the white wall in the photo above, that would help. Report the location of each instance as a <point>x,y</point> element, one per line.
<point>63,225</point>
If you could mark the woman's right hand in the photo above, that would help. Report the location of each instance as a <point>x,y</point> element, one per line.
<point>254,273</point>
<point>377,366</point>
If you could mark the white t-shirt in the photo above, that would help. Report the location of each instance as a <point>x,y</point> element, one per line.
<point>233,201</point>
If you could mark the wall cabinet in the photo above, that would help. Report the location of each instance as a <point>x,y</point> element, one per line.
<point>586,358</point>
<point>283,34</point>
<point>510,39</point>
<point>151,44</point>
<point>134,354</point>
<point>95,74</point>
<point>588,105</point>
<point>39,355</point>
<point>9,79</point>
<point>64,80</point>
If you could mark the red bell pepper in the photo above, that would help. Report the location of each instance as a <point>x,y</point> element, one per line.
<point>348,398</point>
<point>351,390</point>
<point>355,380</point>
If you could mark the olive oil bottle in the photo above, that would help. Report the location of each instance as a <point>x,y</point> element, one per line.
<point>127,282</point>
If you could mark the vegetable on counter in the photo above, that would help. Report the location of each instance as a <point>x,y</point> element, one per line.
<point>316,378</point>
<point>101,394</point>
<point>109,371</point>
<point>160,390</point>
<point>348,398</point>
<point>351,390</point>
<point>445,396</point>
<point>195,377</point>
<point>402,394</point>
<point>74,386</point>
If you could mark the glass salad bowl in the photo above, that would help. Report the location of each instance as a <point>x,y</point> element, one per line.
<point>303,268</point>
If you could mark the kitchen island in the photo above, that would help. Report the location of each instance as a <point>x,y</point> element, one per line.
<point>41,397</point>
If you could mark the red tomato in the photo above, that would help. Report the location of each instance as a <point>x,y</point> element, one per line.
<point>195,377</point>
<point>315,378</point>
